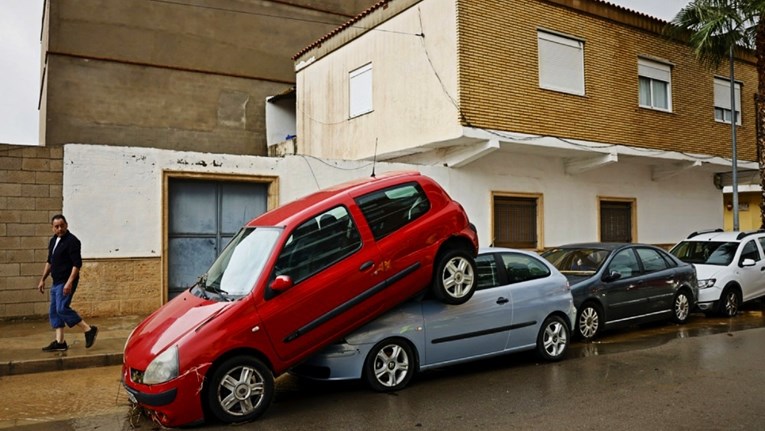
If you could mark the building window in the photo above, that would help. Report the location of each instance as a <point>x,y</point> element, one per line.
<point>617,217</point>
<point>655,85</point>
<point>360,91</point>
<point>516,221</point>
<point>723,112</point>
<point>561,63</point>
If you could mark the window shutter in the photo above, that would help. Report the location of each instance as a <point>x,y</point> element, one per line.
<point>360,91</point>
<point>722,94</point>
<point>561,63</point>
<point>654,70</point>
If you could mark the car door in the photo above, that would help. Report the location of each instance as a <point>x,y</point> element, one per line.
<point>752,278</point>
<point>475,328</point>
<point>658,282</point>
<point>394,215</point>
<point>623,297</point>
<point>333,270</point>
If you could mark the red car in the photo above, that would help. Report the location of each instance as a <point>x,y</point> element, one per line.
<point>292,281</point>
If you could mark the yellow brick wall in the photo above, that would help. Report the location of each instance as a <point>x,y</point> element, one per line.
<point>119,287</point>
<point>499,80</point>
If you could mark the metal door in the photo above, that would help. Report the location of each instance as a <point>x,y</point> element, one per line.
<point>202,217</point>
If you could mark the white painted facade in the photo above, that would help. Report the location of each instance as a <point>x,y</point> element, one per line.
<point>113,196</point>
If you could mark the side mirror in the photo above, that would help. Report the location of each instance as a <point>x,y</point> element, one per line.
<point>747,262</point>
<point>281,283</point>
<point>612,276</point>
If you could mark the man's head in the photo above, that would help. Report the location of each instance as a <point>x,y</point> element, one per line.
<point>58,223</point>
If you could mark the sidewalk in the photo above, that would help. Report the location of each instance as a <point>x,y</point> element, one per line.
<point>21,344</point>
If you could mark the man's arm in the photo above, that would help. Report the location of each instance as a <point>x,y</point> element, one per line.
<point>46,273</point>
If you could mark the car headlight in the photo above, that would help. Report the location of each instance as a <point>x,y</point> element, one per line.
<point>163,368</point>
<point>709,282</point>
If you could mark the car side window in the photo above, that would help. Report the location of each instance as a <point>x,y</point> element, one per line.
<point>750,251</point>
<point>625,263</point>
<point>486,269</point>
<point>318,243</point>
<point>652,260</point>
<point>522,267</point>
<point>390,209</point>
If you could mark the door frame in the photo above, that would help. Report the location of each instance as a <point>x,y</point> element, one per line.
<point>272,201</point>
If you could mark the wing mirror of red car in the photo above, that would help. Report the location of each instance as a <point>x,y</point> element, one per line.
<point>281,283</point>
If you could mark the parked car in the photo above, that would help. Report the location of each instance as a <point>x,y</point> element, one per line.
<point>622,283</point>
<point>292,281</point>
<point>730,268</point>
<point>522,303</point>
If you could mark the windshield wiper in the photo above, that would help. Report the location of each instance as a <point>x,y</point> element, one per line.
<point>200,283</point>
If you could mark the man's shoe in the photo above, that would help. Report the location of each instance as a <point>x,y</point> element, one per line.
<point>90,336</point>
<point>55,346</point>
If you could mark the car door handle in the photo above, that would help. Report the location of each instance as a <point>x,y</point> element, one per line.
<point>366,265</point>
<point>502,300</point>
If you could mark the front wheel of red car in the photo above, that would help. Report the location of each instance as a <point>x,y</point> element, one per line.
<point>240,390</point>
<point>455,277</point>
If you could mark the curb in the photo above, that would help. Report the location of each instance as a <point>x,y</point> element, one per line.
<point>62,363</point>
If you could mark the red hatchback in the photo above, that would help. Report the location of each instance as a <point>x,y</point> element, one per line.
<point>292,281</point>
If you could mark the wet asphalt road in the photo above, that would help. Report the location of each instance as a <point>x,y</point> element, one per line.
<point>706,375</point>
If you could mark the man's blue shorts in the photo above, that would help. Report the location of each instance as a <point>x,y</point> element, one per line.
<point>60,311</point>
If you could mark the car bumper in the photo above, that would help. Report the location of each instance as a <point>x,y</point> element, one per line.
<point>336,362</point>
<point>174,403</point>
<point>708,297</point>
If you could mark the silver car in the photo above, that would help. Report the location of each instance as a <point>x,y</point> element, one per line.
<point>521,303</point>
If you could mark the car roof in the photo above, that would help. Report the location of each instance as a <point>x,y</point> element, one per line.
<point>298,208</point>
<point>600,245</point>
<point>719,235</point>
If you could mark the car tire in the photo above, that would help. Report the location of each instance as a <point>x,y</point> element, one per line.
<point>240,390</point>
<point>729,302</point>
<point>589,321</point>
<point>553,339</point>
<point>681,307</point>
<point>390,365</point>
<point>455,277</point>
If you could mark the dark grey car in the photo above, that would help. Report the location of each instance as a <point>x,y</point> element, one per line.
<point>622,283</point>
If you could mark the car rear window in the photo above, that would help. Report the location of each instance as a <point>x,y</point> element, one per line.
<point>390,209</point>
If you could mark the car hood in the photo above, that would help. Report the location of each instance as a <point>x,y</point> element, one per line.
<point>167,325</point>
<point>704,272</point>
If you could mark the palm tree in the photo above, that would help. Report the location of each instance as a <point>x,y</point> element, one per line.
<point>716,28</point>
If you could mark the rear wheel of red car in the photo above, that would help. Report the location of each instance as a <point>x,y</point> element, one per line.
<point>240,390</point>
<point>455,277</point>
<point>389,366</point>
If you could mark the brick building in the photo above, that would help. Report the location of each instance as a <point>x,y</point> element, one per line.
<point>567,120</point>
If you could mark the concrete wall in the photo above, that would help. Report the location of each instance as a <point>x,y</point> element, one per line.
<point>173,75</point>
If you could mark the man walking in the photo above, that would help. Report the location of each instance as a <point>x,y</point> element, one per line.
<point>63,265</point>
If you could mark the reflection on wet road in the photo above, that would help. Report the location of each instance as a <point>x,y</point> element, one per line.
<point>655,334</point>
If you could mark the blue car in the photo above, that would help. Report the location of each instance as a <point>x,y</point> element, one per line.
<point>521,303</point>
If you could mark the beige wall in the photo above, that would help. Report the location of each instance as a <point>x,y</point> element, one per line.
<point>177,76</point>
<point>499,79</point>
<point>414,87</point>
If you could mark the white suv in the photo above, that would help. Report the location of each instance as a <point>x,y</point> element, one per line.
<point>729,265</point>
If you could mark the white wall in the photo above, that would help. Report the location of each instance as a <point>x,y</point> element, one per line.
<point>113,195</point>
<point>411,98</point>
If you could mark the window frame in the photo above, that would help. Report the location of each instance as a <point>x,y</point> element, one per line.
<point>539,221</point>
<point>655,72</point>
<point>633,215</point>
<point>360,94</point>
<point>723,104</point>
<point>549,67</point>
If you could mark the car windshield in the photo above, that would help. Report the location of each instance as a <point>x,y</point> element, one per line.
<point>235,272</point>
<point>706,252</point>
<point>576,260</point>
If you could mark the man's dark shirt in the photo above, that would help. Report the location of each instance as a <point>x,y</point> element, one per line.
<point>64,257</point>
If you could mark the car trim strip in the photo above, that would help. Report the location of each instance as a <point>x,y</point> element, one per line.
<point>639,317</point>
<point>352,302</point>
<point>484,332</point>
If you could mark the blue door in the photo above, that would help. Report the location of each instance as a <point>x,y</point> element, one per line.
<point>202,217</point>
